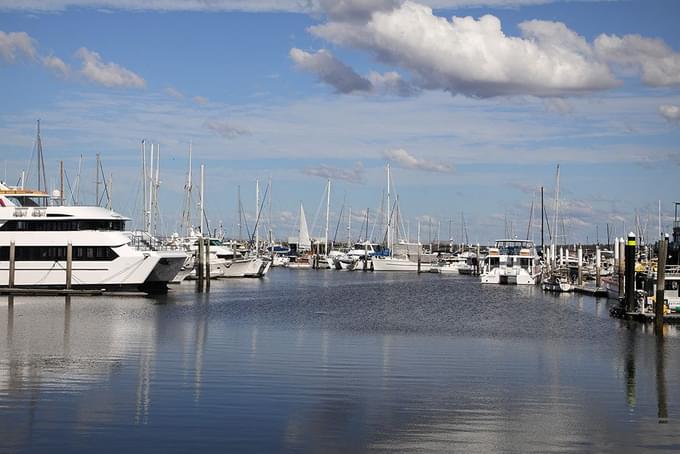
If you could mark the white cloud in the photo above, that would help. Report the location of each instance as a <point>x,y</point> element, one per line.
<point>391,83</point>
<point>107,74</point>
<point>330,70</point>
<point>474,57</point>
<point>558,105</point>
<point>200,100</point>
<point>658,64</point>
<point>225,129</point>
<point>344,79</point>
<point>355,175</point>
<point>670,112</point>
<point>57,65</point>
<point>14,43</point>
<point>175,93</point>
<point>403,159</point>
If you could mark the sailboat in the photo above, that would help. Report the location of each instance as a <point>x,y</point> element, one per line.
<point>302,259</point>
<point>403,256</point>
<point>556,277</point>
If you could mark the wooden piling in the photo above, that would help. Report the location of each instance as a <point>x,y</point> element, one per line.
<point>366,256</point>
<point>629,278</point>
<point>199,266</point>
<point>12,264</point>
<point>660,285</point>
<point>579,254</point>
<point>621,264</point>
<point>598,267</point>
<point>207,264</point>
<point>419,264</point>
<point>69,264</point>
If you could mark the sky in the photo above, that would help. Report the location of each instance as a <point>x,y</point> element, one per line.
<point>472,103</point>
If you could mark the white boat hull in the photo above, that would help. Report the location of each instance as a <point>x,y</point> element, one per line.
<point>398,264</point>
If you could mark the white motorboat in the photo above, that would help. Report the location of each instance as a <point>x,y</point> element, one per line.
<point>511,262</point>
<point>398,263</point>
<point>103,255</point>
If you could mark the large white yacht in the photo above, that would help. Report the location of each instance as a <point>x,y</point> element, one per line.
<point>103,254</point>
<point>511,262</point>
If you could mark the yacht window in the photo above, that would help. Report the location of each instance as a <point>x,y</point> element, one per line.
<point>52,253</point>
<point>62,225</point>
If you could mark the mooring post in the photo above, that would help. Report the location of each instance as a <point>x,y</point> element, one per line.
<point>629,278</point>
<point>660,285</point>
<point>477,261</point>
<point>12,264</point>
<point>418,259</point>
<point>622,263</point>
<point>579,254</point>
<point>69,264</point>
<point>207,263</point>
<point>365,256</point>
<point>199,266</point>
<point>598,264</point>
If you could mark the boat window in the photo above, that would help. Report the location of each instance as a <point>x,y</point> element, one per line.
<point>215,243</point>
<point>524,263</point>
<point>51,253</point>
<point>62,225</point>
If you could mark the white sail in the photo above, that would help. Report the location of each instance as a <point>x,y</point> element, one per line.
<point>304,242</point>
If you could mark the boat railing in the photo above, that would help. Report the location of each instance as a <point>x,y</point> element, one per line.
<point>672,270</point>
<point>143,241</point>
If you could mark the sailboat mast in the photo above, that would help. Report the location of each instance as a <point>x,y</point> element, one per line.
<point>144,212</point>
<point>97,182</point>
<point>240,214</point>
<point>150,177</point>
<point>557,203</point>
<point>542,221</point>
<point>42,179</point>
<point>201,207</point>
<point>257,216</point>
<point>388,214</point>
<point>328,214</point>
<point>271,230</point>
<point>349,227</point>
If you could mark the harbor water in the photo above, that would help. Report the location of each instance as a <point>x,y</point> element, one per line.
<point>326,361</point>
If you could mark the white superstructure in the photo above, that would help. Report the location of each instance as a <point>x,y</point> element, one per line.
<point>511,262</point>
<point>103,255</point>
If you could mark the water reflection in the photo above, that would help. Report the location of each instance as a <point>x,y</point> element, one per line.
<point>393,373</point>
<point>661,380</point>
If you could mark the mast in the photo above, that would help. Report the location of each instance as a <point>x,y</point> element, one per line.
<point>144,211</point>
<point>157,184</point>
<point>188,188</point>
<point>542,221</point>
<point>150,177</point>
<point>349,227</point>
<point>257,216</point>
<point>80,167</point>
<point>42,180</point>
<point>557,203</point>
<point>328,214</point>
<point>388,214</point>
<point>61,183</point>
<point>97,182</point>
<point>271,229</point>
<point>240,214</point>
<point>202,202</point>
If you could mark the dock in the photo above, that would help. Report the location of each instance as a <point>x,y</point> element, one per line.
<point>19,291</point>
<point>648,317</point>
<point>598,292</point>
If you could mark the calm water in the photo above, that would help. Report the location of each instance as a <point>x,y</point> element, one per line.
<point>326,361</point>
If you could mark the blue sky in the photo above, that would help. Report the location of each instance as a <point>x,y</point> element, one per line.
<point>472,118</point>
